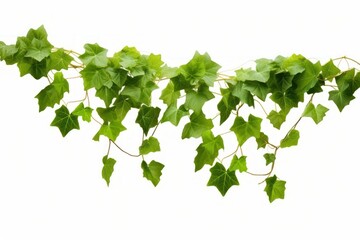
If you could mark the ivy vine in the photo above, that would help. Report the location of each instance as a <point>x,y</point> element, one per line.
<point>245,101</point>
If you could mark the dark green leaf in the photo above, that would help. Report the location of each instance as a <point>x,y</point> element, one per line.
<point>107,94</point>
<point>316,113</point>
<point>108,168</point>
<point>269,157</point>
<point>84,112</point>
<point>238,164</point>
<point>341,98</point>
<point>152,171</point>
<point>244,95</point>
<point>291,139</point>
<point>147,117</point>
<point>275,189</point>
<point>65,121</point>
<point>308,78</point>
<point>222,179</point>
<point>286,100</point>
<point>227,104</point>
<point>33,67</point>
<point>244,130</point>
<point>94,55</point>
<point>197,125</point>
<point>149,145</point>
<point>257,88</point>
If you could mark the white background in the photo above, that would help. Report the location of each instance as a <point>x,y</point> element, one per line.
<point>51,187</point>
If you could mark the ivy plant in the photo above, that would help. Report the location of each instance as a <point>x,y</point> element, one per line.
<point>238,105</point>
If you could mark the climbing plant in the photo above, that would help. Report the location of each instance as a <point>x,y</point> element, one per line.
<point>226,113</point>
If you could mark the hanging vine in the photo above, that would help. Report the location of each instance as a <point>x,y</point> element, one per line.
<point>241,103</point>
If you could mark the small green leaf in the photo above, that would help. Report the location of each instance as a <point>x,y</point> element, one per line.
<point>168,95</point>
<point>197,125</point>
<point>316,113</point>
<point>269,157</point>
<point>96,77</point>
<point>262,140</point>
<point>174,114</point>
<point>147,118</point>
<point>341,98</point>
<point>152,171</point>
<point>149,145</point>
<point>244,130</point>
<point>196,99</point>
<point>251,75</point>
<point>277,118</point>
<point>108,168</point>
<point>110,130</point>
<point>39,49</point>
<point>94,55</point>
<point>227,104</point>
<point>222,179</point>
<point>84,112</point>
<point>59,60</point>
<point>275,189</point>
<point>329,70</point>
<point>65,121</point>
<point>238,164</point>
<point>107,94</point>
<point>291,139</point>
<point>259,89</point>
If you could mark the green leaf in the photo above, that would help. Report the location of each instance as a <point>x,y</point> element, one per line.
<point>262,140</point>
<point>108,168</point>
<point>222,179</point>
<point>149,145</point>
<point>227,104</point>
<point>251,75</point>
<point>286,100</point>
<point>244,95</point>
<point>269,157</point>
<point>59,60</point>
<point>139,89</point>
<point>308,78</point>
<point>329,70</point>
<point>316,113</point>
<point>257,88</point>
<point>110,130</point>
<point>347,81</point>
<point>238,164</point>
<point>96,77</point>
<point>244,130</point>
<point>39,49</point>
<point>277,118</point>
<point>128,57</point>
<point>208,150</point>
<point>341,98</point>
<point>152,171</point>
<point>275,189</point>
<point>8,53</point>
<point>53,93</point>
<point>197,125</point>
<point>291,139</point>
<point>33,67</point>
<point>147,118</point>
<point>174,114</point>
<point>65,121</point>
<point>84,112</point>
<point>293,64</point>
<point>196,99</point>
<point>169,95</point>
<point>94,55</point>
<point>107,94</point>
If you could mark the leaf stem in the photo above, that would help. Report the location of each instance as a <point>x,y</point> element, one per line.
<point>131,155</point>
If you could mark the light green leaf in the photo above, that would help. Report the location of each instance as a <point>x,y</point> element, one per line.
<point>174,114</point>
<point>252,75</point>
<point>84,112</point>
<point>316,113</point>
<point>262,140</point>
<point>107,94</point>
<point>269,157</point>
<point>341,98</point>
<point>96,77</point>
<point>277,118</point>
<point>197,125</point>
<point>257,88</point>
<point>222,179</point>
<point>275,189</point>
<point>169,95</point>
<point>244,130</point>
<point>238,164</point>
<point>308,78</point>
<point>110,130</point>
<point>329,70</point>
<point>152,171</point>
<point>149,145</point>
<point>108,168</point>
<point>227,104</point>
<point>147,118</point>
<point>291,139</point>
<point>59,60</point>
<point>196,99</point>
<point>39,49</point>
<point>65,121</point>
<point>94,55</point>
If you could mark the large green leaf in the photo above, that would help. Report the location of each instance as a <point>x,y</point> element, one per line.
<point>275,189</point>
<point>65,121</point>
<point>149,145</point>
<point>329,70</point>
<point>316,113</point>
<point>196,99</point>
<point>244,130</point>
<point>94,55</point>
<point>291,139</point>
<point>341,98</point>
<point>169,95</point>
<point>174,114</point>
<point>152,171</point>
<point>108,168</point>
<point>96,77</point>
<point>197,125</point>
<point>59,60</point>
<point>148,117</point>
<point>110,130</point>
<point>222,179</point>
<point>39,49</point>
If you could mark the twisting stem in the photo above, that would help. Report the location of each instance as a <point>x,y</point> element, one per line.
<point>131,155</point>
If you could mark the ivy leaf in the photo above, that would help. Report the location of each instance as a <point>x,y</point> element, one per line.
<point>257,88</point>
<point>227,104</point>
<point>275,189</point>
<point>262,140</point>
<point>59,60</point>
<point>149,145</point>
<point>152,171</point>
<point>316,113</point>
<point>222,179</point>
<point>33,67</point>
<point>286,100</point>
<point>7,53</point>
<point>252,75</point>
<point>139,89</point>
<point>329,70</point>
<point>65,121</point>
<point>244,130</point>
<point>110,130</point>
<point>308,78</point>
<point>107,94</point>
<point>196,99</point>
<point>169,95</point>
<point>244,95</point>
<point>84,112</point>
<point>108,168</point>
<point>208,150</point>
<point>238,164</point>
<point>290,139</point>
<point>147,118</point>
<point>277,118</point>
<point>96,77</point>
<point>94,55</point>
<point>269,157</point>
<point>174,114</point>
<point>197,125</point>
<point>340,98</point>
<point>39,49</point>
